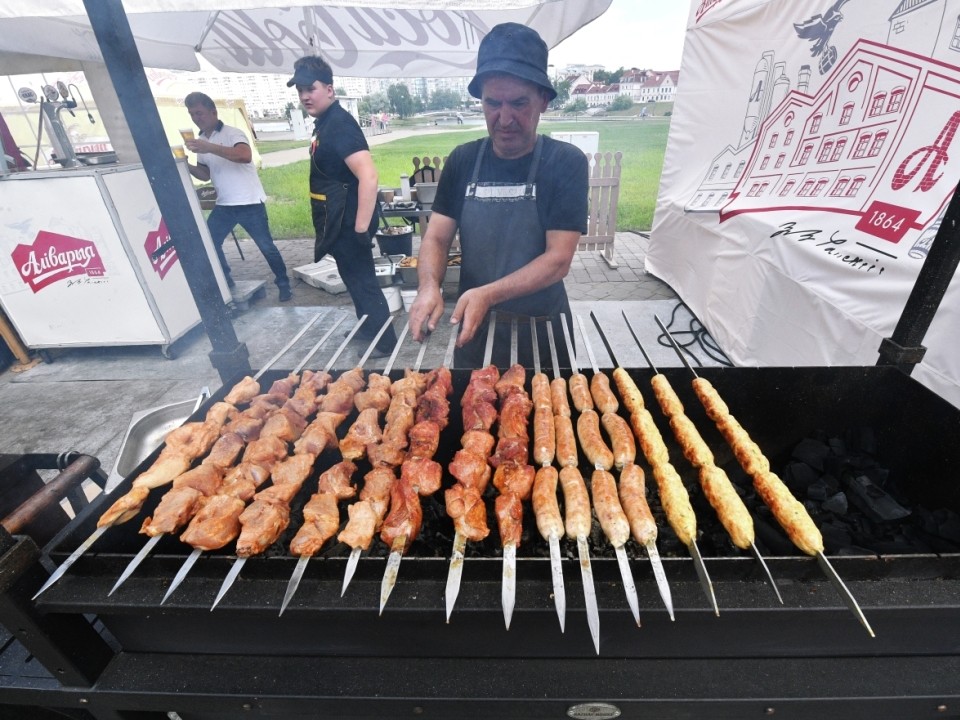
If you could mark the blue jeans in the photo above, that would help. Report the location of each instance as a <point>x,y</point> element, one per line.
<point>253,219</point>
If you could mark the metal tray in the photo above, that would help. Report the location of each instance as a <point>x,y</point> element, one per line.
<point>146,432</point>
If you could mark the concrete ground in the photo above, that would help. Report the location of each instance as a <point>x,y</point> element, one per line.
<point>85,399</point>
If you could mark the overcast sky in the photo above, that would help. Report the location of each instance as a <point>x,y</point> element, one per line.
<point>631,33</point>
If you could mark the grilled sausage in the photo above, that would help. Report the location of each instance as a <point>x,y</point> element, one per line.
<point>566,441</point>
<point>747,452</point>
<point>558,397</point>
<point>729,507</point>
<point>665,395</point>
<point>633,499</point>
<point>691,442</point>
<point>577,503</point>
<point>789,512</point>
<point>607,505</point>
<point>632,399</point>
<point>676,502</point>
<point>651,442</point>
<point>544,436</point>
<point>603,397</point>
<point>621,439</point>
<point>540,392</point>
<point>596,450</point>
<point>580,392</point>
<point>714,405</point>
<point>546,509</point>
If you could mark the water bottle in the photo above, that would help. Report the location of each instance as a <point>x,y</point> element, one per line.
<point>405,187</point>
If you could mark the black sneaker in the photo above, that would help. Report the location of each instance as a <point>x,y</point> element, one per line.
<point>230,283</point>
<point>376,354</point>
<point>285,294</point>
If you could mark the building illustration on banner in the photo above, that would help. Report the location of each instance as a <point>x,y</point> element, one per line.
<point>872,141</point>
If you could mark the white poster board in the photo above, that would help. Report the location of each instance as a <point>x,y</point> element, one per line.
<point>812,152</point>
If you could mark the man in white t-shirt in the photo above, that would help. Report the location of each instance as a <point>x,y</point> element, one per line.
<point>225,158</point>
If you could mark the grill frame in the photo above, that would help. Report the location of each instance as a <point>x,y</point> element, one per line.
<point>913,602</point>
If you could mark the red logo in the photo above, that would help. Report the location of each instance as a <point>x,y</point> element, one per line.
<point>886,221</point>
<point>936,154</point>
<point>54,257</point>
<point>155,240</point>
<point>705,7</point>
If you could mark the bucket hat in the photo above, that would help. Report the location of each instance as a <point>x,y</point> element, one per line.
<point>516,50</point>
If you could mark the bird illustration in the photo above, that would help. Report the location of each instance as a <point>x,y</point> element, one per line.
<point>819,28</point>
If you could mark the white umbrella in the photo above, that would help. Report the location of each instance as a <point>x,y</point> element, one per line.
<point>359,38</point>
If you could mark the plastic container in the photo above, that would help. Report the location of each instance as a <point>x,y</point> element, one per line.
<point>396,243</point>
<point>408,296</point>
<point>392,295</point>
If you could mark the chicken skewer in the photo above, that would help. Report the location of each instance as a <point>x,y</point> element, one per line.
<point>378,494</point>
<point>513,477</point>
<point>789,512</point>
<point>320,514</point>
<point>272,506</point>
<point>143,489</point>
<point>575,496</point>
<point>716,485</point>
<point>546,509</point>
<point>632,487</point>
<point>463,501</point>
<point>673,494</point>
<point>226,509</point>
<point>417,462</point>
<point>156,536</point>
<point>606,502</point>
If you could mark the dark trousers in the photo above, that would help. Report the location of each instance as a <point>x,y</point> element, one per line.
<point>253,219</point>
<point>355,264</point>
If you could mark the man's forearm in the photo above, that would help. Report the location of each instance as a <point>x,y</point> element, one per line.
<point>432,260</point>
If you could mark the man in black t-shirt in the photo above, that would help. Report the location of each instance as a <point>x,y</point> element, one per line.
<point>519,200</point>
<point>343,195</point>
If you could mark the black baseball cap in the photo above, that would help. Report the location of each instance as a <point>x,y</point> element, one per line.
<point>306,75</point>
<point>516,50</point>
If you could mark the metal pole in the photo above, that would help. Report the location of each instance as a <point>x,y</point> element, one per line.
<point>904,348</point>
<point>122,59</point>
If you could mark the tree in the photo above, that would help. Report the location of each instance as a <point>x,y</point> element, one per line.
<point>400,100</point>
<point>563,93</point>
<point>577,107</point>
<point>444,100</point>
<point>622,102</point>
<point>606,78</point>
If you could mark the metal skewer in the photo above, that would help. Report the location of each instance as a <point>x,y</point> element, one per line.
<point>586,570</point>
<point>663,587</point>
<point>698,564</point>
<point>455,571</point>
<point>753,546</point>
<point>239,562</point>
<point>192,558</point>
<point>556,567</point>
<point>146,549</point>
<point>95,535</point>
<point>396,552</point>
<point>355,553</point>
<point>508,579</point>
<point>629,586</point>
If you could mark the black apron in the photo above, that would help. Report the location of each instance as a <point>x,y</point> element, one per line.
<point>500,232</point>
<point>328,202</point>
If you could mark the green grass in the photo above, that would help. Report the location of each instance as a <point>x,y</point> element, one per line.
<point>642,142</point>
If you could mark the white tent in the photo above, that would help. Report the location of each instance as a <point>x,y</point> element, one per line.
<point>360,38</point>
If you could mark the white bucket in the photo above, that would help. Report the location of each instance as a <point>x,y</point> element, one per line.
<point>392,294</point>
<point>408,296</point>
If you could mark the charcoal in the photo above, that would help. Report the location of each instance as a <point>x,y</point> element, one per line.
<point>949,528</point>
<point>837,446</point>
<point>773,538</point>
<point>836,537</point>
<point>799,475</point>
<point>873,500</point>
<point>836,504</point>
<point>818,490</point>
<point>811,452</point>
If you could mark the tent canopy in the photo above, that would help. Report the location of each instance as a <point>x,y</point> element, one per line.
<point>359,38</point>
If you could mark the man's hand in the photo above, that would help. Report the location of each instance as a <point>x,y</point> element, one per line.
<point>470,312</point>
<point>426,311</point>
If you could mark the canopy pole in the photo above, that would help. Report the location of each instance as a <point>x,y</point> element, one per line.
<point>109,22</point>
<point>904,348</point>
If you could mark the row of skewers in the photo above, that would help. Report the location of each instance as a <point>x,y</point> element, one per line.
<point>220,499</point>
